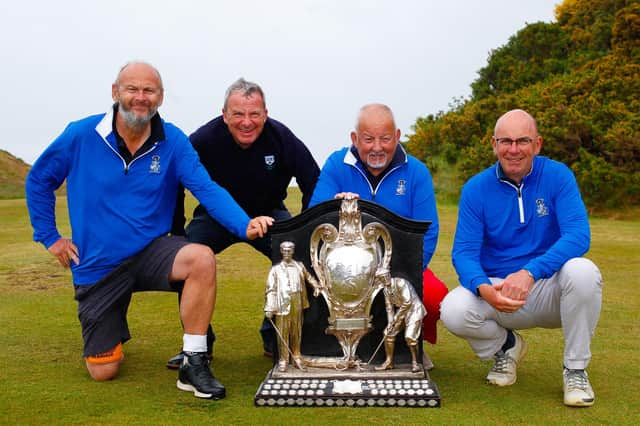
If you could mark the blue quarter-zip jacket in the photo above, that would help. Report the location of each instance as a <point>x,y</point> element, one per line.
<point>116,209</point>
<point>502,227</point>
<point>406,189</point>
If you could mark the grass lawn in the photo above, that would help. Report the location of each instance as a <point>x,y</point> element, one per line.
<point>43,378</point>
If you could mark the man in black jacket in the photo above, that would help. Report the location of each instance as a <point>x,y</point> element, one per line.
<point>254,157</point>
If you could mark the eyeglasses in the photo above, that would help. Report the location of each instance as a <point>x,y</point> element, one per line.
<point>508,142</point>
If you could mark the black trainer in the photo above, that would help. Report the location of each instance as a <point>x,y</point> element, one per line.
<point>175,362</point>
<point>195,376</point>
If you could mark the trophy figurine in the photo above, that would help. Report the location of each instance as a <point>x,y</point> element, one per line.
<point>399,293</point>
<point>286,299</point>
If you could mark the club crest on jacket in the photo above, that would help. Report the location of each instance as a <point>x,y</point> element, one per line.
<point>154,167</point>
<point>269,161</point>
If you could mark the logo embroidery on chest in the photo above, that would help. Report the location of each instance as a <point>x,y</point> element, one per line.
<point>541,209</point>
<point>401,189</point>
<point>154,167</point>
<point>269,161</point>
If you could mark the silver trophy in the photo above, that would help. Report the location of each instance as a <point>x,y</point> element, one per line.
<point>346,262</point>
<point>352,264</point>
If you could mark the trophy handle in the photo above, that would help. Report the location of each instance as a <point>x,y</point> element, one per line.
<point>325,233</point>
<point>374,231</point>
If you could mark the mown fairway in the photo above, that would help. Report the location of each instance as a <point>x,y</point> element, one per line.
<point>43,378</point>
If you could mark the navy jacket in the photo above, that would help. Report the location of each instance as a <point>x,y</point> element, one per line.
<point>257,177</point>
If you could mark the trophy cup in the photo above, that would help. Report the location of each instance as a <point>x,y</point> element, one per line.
<point>366,294</point>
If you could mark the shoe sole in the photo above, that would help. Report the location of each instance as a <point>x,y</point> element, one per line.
<point>493,382</point>
<point>523,352</point>
<point>190,388</point>
<point>579,403</point>
<point>172,366</point>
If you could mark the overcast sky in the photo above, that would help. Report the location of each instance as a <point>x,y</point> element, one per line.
<point>318,61</point>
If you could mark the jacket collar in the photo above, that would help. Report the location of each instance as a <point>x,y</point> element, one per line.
<point>105,126</point>
<point>502,177</point>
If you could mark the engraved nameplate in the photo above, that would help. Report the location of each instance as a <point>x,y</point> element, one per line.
<point>352,323</point>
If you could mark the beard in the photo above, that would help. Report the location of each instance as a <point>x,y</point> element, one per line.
<point>377,160</point>
<point>134,121</point>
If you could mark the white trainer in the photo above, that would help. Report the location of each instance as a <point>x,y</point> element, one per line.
<point>505,363</point>
<point>577,389</point>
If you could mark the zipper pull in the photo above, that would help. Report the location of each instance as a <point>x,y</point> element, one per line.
<point>520,203</point>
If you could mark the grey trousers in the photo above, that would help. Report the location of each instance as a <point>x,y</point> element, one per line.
<point>571,299</point>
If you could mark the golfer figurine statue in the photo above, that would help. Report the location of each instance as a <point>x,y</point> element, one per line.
<point>404,309</point>
<point>286,299</point>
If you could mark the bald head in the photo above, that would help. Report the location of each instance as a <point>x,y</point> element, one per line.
<point>520,116</point>
<point>375,112</point>
<point>135,68</point>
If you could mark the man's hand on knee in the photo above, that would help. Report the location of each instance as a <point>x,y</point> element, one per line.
<point>493,296</point>
<point>517,285</point>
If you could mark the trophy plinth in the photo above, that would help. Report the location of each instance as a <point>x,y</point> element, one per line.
<point>317,389</point>
<point>359,342</point>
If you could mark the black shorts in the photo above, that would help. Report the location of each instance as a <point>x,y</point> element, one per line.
<point>203,229</point>
<point>102,307</point>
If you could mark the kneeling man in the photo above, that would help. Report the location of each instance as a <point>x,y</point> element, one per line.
<point>122,171</point>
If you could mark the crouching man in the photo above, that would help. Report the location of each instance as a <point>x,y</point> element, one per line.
<point>521,234</point>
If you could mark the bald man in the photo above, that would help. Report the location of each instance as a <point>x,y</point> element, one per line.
<point>122,171</point>
<point>521,234</point>
<point>376,168</point>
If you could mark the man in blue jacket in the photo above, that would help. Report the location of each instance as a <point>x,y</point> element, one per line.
<point>254,157</point>
<point>521,234</point>
<point>122,171</point>
<point>376,168</point>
